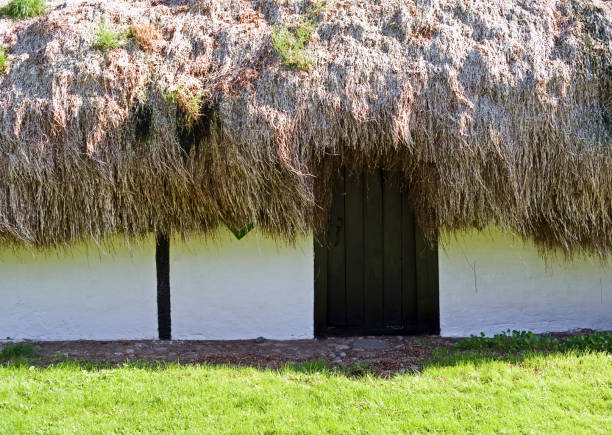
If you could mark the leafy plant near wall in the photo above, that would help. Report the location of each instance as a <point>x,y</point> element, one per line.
<point>597,341</point>
<point>20,9</point>
<point>107,38</point>
<point>290,42</point>
<point>17,351</point>
<point>515,341</point>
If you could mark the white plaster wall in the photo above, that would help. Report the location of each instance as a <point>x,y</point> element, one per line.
<point>490,281</point>
<point>237,289</point>
<point>83,293</point>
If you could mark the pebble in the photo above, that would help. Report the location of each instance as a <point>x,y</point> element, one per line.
<point>337,361</point>
<point>371,344</point>
<point>342,354</point>
<point>129,351</point>
<point>343,347</point>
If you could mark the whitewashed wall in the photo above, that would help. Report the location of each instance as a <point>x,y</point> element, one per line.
<point>236,289</point>
<point>490,282</point>
<point>80,294</point>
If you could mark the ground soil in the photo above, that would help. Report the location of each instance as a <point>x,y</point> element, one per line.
<point>381,354</point>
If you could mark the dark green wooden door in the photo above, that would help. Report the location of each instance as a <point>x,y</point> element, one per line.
<point>376,273</point>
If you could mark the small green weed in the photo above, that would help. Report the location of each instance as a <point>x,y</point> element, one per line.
<point>598,341</point>
<point>108,39</point>
<point>423,342</point>
<point>514,341</point>
<point>290,41</point>
<point>3,60</point>
<point>16,351</point>
<point>187,101</point>
<point>20,9</point>
<point>290,44</point>
<point>316,8</point>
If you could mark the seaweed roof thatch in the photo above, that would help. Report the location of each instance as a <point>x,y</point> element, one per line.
<point>130,117</point>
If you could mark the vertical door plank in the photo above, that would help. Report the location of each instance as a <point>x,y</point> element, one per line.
<point>427,284</point>
<point>409,283</point>
<point>373,250</point>
<point>392,257</point>
<point>336,262</point>
<point>320,288</point>
<point>354,249</point>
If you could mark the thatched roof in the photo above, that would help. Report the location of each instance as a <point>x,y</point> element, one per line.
<point>495,112</point>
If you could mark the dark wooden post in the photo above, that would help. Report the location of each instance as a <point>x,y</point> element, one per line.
<point>162,260</point>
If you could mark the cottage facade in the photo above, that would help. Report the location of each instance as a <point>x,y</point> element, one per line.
<point>385,167</point>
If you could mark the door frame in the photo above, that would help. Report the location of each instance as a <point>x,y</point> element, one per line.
<point>426,282</point>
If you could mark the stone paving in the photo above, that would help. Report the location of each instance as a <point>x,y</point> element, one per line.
<point>383,354</point>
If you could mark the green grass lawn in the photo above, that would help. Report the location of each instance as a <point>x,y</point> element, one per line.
<point>459,392</point>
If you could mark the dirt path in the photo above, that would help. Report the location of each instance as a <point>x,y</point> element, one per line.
<point>382,354</point>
